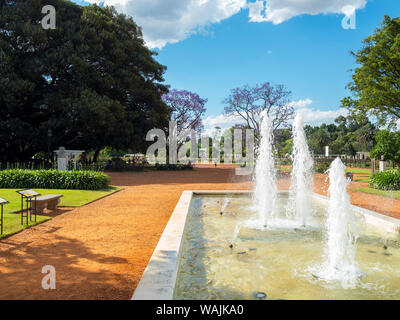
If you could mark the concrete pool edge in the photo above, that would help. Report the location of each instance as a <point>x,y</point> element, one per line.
<point>159,278</point>
<point>371,217</point>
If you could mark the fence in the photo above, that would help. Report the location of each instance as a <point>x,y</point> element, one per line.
<point>31,165</point>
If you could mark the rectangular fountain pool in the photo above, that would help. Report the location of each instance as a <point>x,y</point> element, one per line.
<point>204,254</point>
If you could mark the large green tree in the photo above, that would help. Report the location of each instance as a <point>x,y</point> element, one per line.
<point>387,145</point>
<point>92,81</point>
<point>376,82</point>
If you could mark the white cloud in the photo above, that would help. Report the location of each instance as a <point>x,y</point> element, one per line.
<point>278,11</point>
<point>316,117</point>
<point>223,121</point>
<point>301,103</point>
<point>172,21</point>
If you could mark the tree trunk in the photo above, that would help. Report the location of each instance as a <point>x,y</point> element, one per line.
<point>96,155</point>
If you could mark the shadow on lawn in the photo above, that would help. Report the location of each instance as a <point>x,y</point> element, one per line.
<point>80,273</point>
<point>48,213</point>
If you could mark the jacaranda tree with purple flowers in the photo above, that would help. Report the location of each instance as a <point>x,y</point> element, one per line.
<point>248,102</point>
<point>187,108</point>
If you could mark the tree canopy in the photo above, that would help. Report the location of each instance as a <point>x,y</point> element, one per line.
<point>187,108</point>
<point>387,145</point>
<point>376,82</point>
<point>346,136</point>
<point>92,80</point>
<point>248,103</point>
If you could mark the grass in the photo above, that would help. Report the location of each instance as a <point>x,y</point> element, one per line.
<point>285,168</point>
<point>360,171</point>
<point>384,193</point>
<point>72,198</point>
<point>362,180</point>
<point>361,175</point>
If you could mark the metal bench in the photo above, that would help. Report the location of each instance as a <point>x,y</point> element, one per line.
<point>49,201</point>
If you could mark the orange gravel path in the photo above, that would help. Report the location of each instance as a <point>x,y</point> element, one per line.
<point>101,250</point>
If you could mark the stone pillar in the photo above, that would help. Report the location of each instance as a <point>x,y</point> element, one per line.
<point>62,160</point>
<point>373,166</point>
<point>382,164</point>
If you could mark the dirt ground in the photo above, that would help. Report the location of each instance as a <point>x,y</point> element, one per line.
<point>100,250</point>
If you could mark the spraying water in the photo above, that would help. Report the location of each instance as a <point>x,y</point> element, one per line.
<point>342,234</point>
<point>302,175</point>
<point>265,192</point>
<point>224,205</point>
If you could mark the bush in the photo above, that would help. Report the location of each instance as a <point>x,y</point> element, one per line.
<point>53,179</point>
<point>321,167</point>
<point>119,165</point>
<point>388,180</point>
<point>162,167</point>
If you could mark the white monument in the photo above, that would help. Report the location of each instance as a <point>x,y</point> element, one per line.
<point>382,164</point>
<point>62,160</point>
<point>63,157</point>
<point>327,151</point>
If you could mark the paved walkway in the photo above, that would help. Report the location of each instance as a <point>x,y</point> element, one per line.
<point>101,250</point>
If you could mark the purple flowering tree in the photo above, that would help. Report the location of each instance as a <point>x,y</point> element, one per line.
<point>187,108</point>
<point>248,102</point>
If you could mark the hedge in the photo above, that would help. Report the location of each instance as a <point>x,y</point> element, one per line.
<point>388,180</point>
<point>53,179</point>
<point>173,167</point>
<point>321,167</point>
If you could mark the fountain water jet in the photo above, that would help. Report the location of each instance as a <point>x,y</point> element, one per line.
<point>342,233</point>
<point>301,187</point>
<point>224,205</point>
<point>265,192</point>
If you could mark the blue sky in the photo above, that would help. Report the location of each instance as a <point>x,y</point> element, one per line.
<point>219,49</point>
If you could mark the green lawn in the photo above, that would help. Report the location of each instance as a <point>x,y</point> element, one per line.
<point>363,175</point>
<point>72,198</point>
<point>362,179</point>
<point>285,168</point>
<point>384,193</point>
<point>360,171</point>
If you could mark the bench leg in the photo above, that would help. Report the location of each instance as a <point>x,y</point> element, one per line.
<point>52,205</point>
<point>39,209</point>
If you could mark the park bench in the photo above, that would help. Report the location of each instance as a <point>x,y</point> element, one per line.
<point>49,201</point>
<point>36,203</point>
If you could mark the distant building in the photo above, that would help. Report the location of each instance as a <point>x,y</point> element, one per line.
<point>364,155</point>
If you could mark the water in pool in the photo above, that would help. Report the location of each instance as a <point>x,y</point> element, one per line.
<point>225,257</point>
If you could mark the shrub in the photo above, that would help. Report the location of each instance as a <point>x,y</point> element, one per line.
<point>162,167</point>
<point>53,179</point>
<point>119,165</point>
<point>321,167</point>
<point>388,180</point>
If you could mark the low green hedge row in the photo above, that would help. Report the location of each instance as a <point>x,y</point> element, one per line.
<point>172,167</point>
<point>388,180</point>
<point>53,179</point>
<point>321,167</point>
